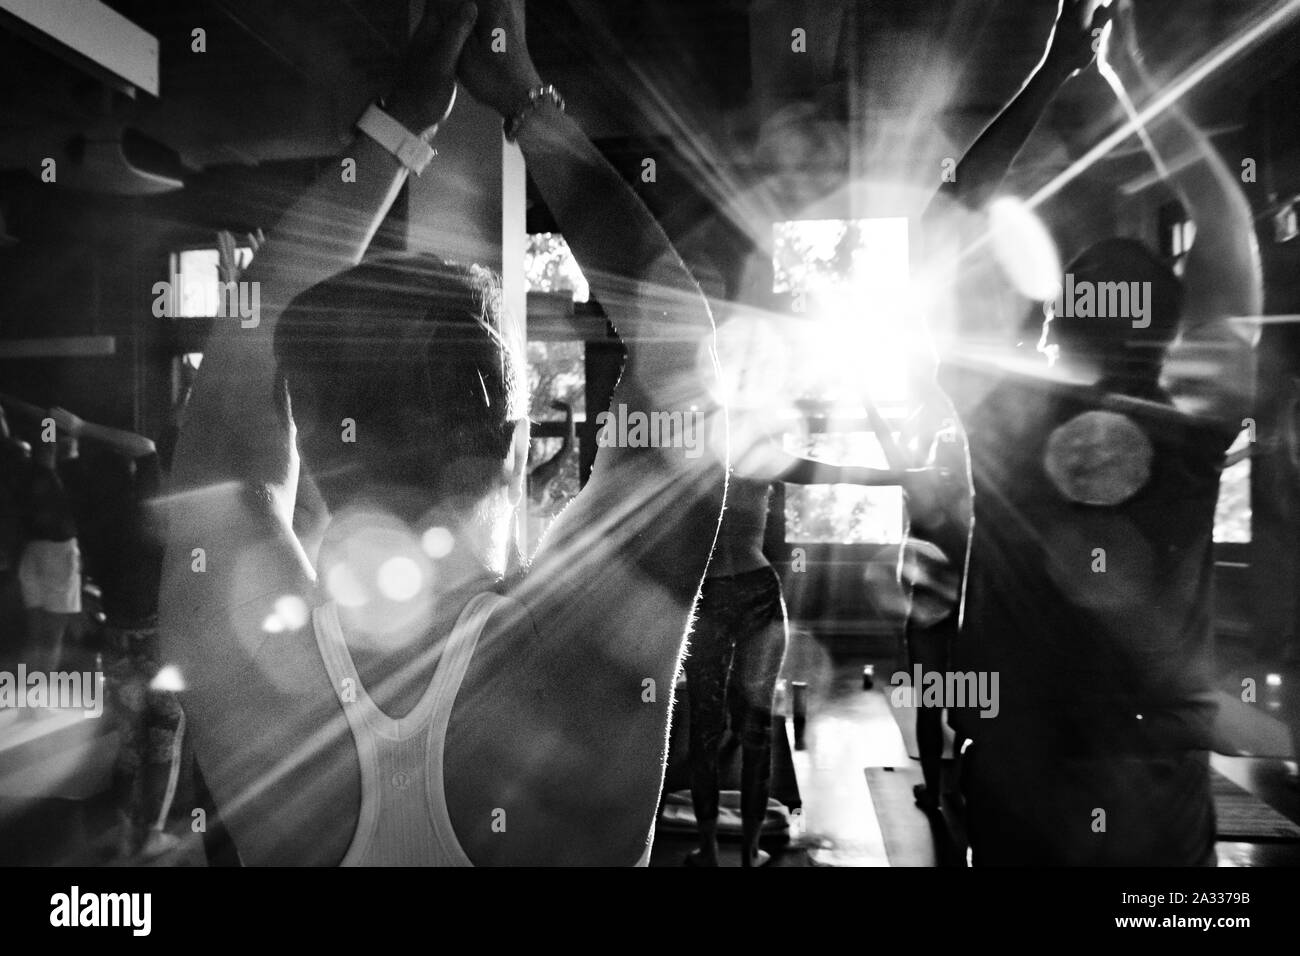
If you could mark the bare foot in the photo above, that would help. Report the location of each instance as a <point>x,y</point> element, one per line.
<point>927,801</point>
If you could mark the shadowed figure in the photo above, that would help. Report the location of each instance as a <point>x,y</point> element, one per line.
<point>1096,451</point>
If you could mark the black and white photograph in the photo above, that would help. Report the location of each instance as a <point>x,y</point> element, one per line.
<point>691,434</point>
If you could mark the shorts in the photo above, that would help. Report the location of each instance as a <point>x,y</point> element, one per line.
<point>49,574</point>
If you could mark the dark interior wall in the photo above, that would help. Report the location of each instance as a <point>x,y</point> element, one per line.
<point>78,270</point>
<point>86,265</point>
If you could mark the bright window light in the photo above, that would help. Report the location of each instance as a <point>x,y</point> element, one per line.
<point>549,266</point>
<point>195,283</point>
<point>848,281</point>
<point>852,336</point>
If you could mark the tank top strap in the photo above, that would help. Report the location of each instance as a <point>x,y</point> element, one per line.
<point>451,673</point>
<point>353,699</point>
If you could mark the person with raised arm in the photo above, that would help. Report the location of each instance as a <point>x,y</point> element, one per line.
<point>936,546</point>
<point>933,560</point>
<point>1091,570</point>
<point>399,700</point>
<point>113,477</point>
<point>740,638</point>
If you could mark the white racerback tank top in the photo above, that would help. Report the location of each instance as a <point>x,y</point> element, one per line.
<point>404,819</point>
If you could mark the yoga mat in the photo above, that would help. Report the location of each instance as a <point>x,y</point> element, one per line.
<point>784,787</point>
<point>1241,816</point>
<point>676,812</point>
<point>677,815</point>
<point>911,837</point>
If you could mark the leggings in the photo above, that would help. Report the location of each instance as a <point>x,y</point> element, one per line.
<point>151,725</point>
<point>931,648</point>
<point>735,656</point>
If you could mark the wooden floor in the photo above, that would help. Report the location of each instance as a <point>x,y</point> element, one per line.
<point>850,729</point>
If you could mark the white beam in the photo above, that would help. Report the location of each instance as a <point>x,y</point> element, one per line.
<point>94,31</point>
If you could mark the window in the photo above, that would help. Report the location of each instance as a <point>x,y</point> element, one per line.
<point>195,286</point>
<point>195,293</point>
<point>556,375</point>
<point>549,266</point>
<point>842,513</point>
<point>848,283</point>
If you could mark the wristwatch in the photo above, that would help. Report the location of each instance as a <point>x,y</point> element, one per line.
<point>411,151</point>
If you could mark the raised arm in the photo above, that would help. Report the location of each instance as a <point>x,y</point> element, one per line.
<point>1210,370</point>
<point>982,170</point>
<point>235,469</point>
<point>767,460</point>
<point>655,306</point>
<point>118,440</point>
<point>799,470</point>
<point>612,585</point>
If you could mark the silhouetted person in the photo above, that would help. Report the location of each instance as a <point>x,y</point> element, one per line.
<point>1096,462</point>
<point>113,487</point>
<point>49,571</point>
<point>398,699</point>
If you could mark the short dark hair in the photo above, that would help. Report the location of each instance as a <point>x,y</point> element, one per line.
<point>1126,260</point>
<point>412,349</point>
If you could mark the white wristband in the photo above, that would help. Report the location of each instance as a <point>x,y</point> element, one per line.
<point>411,151</point>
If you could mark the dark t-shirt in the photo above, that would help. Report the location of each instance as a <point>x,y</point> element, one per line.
<point>48,506</point>
<point>1091,572</point>
<point>121,551</point>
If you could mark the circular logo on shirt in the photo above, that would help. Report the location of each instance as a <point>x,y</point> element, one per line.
<point>401,780</point>
<point>1098,458</point>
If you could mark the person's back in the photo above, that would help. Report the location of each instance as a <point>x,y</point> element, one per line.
<point>1090,589</point>
<point>1090,595</point>
<point>1051,550</point>
<point>397,699</point>
<point>1096,470</point>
